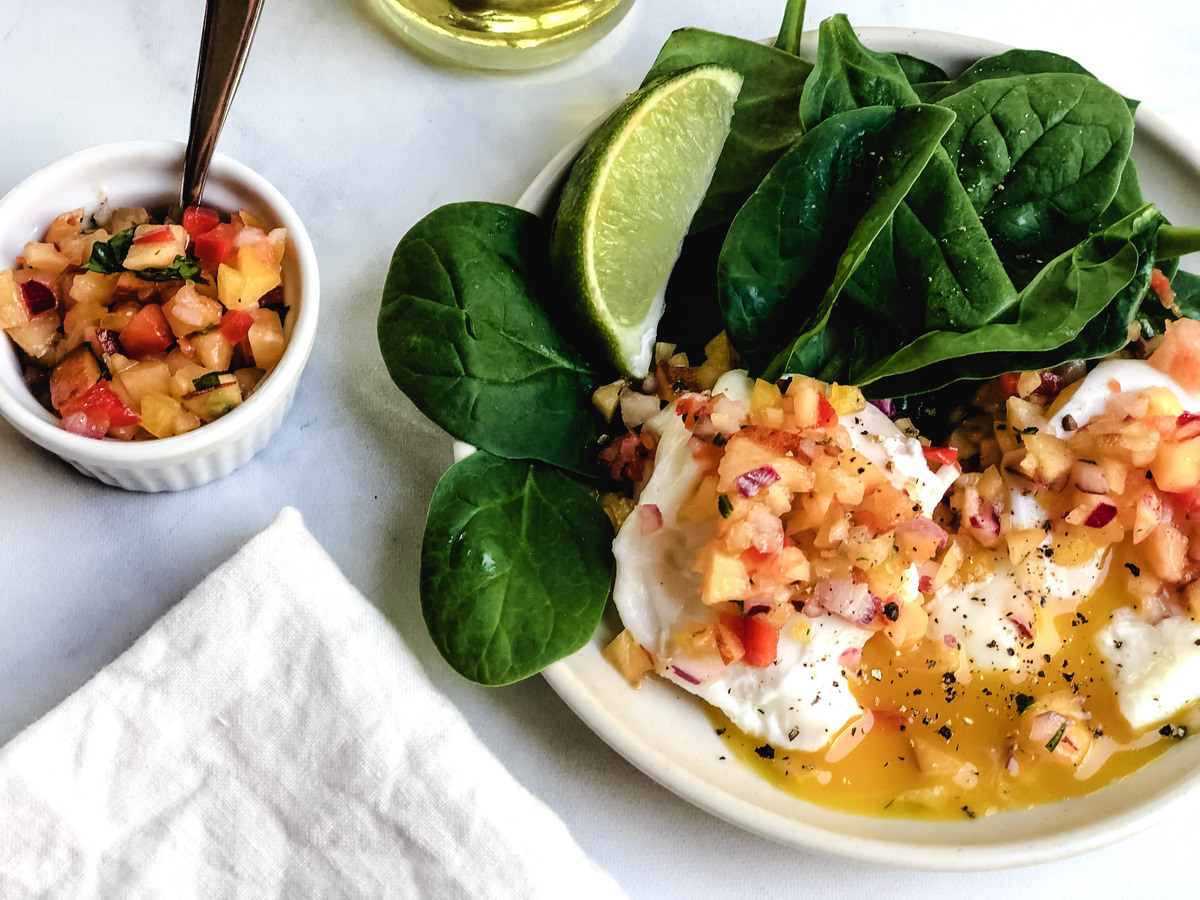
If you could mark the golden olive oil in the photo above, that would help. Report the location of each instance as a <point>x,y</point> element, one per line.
<point>503,34</point>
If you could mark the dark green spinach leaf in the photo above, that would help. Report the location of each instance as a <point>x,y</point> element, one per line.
<point>1041,158</point>
<point>1111,267</point>
<point>465,333</point>
<point>936,253</point>
<point>802,234</point>
<point>516,566</point>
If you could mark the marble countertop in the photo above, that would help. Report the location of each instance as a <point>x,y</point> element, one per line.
<point>364,138</point>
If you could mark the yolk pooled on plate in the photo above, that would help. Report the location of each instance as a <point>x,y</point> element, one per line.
<point>879,631</point>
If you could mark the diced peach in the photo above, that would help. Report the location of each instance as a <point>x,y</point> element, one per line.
<point>1179,353</point>
<point>148,376</point>
<point>723,577</point>
<point>188,311</point>
<point>155,246</point>
<point>12,308</point>
<point>909,627</point>
<point>629,658</point>
<point>266,338</point>
<point>846,399</point>
<point>1049,458</point>
<point>45,258</point>
<point>1166,551</point>
<point>37,336</point>
<point>126,217</point>
<point>65,225</point>
<point>160,414</point>
<point>92,287</point>
<point>77,372</point>
<point>1176,466</point>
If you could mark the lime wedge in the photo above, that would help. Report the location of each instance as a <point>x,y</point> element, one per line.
<point>629,199</point>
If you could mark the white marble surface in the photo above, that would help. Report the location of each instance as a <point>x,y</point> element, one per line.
<point>364,139</point>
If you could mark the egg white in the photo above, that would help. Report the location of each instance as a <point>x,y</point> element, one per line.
<point>803,699</point>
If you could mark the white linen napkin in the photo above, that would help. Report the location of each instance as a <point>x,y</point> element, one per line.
<point>271,736</point>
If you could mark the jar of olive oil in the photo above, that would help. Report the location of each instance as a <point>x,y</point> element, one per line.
<point>502,34</point>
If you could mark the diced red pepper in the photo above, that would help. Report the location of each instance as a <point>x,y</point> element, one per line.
<point>946,456</point>
<point>235,325</point>
<point>158,236</point>
<point>199,219</point>
<point>147,332</point>
<point>826,415</point>
<point>101,405</point>
<point>761,640</point>
<point>214,246</point>
<point>1161,285</point>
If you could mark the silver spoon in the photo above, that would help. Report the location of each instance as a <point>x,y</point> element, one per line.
<point>228,29</point>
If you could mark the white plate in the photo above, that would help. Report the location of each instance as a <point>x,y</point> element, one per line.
<point>665,732</point>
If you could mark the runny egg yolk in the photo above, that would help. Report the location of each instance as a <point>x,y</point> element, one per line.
<point>940,747</point>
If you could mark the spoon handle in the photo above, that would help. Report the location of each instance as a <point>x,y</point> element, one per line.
<point>228,29</point>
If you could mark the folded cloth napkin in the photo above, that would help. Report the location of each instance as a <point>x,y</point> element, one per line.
<point>271,736</point>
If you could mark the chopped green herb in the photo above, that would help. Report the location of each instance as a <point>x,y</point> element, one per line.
<point>206,381</point>
<point>1058,736</point>
<point>1024,701</point>
<point>108,257</point>
<point>725,505</point>
<point>182,268</point>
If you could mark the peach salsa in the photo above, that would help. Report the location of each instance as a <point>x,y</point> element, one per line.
<point>133,329</point>
<point>891,627</point>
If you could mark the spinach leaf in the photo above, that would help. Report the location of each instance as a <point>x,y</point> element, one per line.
<point>936,253</point>
<point>849,76</point>
<point>1111,267</point>
<point>1041,158</point>
<point>1015,62</point>
<point>516,567</point>
<point>765,122</point>
<point>464,332</point>
<point>108,257</point>
<point>802,234</point>
<point>920,72</point>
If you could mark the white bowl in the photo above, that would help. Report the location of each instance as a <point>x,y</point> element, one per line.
<point>149,173</point>
<point>668,735</point>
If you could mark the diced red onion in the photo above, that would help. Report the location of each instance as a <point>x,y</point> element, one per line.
<point>950,641</point>
<point>1102,513</point>
<point>851,656</point>
<point>1045,726</point>
<point>843,597</point>
<point>925,584</point>
<point>637,408</point>
<point>650,518</point>
<point>1012,765</point>
<point>107,339</point>
<point>690,679</point>
<point>38,298</point>
<point>750,483</point>
<point>923,527</point>
<point>887,407</point>
<point>1091,480</point>
<point>1021,615</point>
<point>986,521</point>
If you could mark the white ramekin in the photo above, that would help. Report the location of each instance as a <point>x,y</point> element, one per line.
<point>149,173</point>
